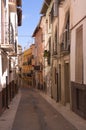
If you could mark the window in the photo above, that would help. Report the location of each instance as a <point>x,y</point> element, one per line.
<point>42,37</point>
<point>66,35</point>
<point>52,14</point>
<point>4,64</point>
<point>55,75</point>
<point>48,58</point>
<point>55,42</point>
<point>46,26</point>
<point>79,55</point>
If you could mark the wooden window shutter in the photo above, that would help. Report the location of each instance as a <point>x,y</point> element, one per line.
<point>79,55</point>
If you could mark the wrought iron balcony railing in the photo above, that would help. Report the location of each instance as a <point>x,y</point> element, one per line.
<point>65,45</point>
<point>8,33</point>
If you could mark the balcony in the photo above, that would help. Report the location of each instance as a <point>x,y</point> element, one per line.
<point>8,43</point>
<point>65,45</point>
<point>19,14</point>
<point>12,5</point>
<point>7,47</point>
<point>64,49</point>
<point>14,52</point>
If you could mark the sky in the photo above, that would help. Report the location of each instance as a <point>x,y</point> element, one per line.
<point>30,19</point>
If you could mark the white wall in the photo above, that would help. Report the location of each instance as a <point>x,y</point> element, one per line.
<point>78,11</point>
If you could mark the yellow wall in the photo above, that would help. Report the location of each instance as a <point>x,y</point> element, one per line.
<point>27,67</point>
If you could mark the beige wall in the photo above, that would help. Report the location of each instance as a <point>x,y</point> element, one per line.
<point>78,11</point>
<point>62,12</point>
<point>47,68</point>
<point>84,49</point>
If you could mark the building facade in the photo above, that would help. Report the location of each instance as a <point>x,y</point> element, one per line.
<point>54,51</point>
<point>38,67</point>
<point>57,49</point>
<point>27,65</point>
<point>78,57</point>
<point>64,52</point>
<point>9,20</point>
<point>64,67</point>
<point>46,11</point>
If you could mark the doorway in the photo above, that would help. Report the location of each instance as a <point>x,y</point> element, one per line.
<point>67,83</point>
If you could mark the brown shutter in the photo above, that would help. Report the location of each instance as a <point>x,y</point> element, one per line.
<point>79,55</point>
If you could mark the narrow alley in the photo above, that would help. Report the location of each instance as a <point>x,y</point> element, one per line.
<point>42,65</point>
<point>35,113</point>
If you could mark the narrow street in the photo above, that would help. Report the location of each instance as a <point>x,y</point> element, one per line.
<point>35,113</point>
<point>42,65</point>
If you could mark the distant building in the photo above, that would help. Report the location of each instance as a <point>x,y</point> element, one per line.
<point>38,67</point>
<point>47,31</point>
<point>19,59</point>
<point>27,65</point>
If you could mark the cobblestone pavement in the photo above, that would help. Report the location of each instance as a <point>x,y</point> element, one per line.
<point>35,113</point>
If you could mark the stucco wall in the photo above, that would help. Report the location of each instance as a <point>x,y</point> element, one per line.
<point>78,11</point>
<point>62,13</point>
<point>84,49</point>
<point>72,56</point>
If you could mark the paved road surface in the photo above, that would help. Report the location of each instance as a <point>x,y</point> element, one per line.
<point>35,113</point>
